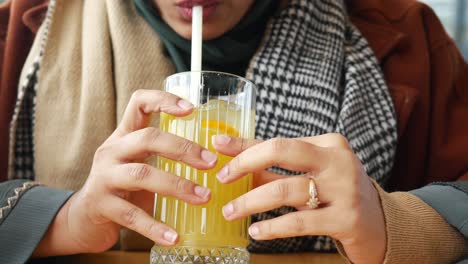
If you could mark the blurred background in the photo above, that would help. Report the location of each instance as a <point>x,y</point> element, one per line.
<point>453,14</point>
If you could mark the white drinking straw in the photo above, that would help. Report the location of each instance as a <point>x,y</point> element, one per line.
<point>196,64</point>
<point>197,35</point>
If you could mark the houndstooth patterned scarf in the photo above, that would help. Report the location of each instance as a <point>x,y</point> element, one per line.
<point>316,74</point>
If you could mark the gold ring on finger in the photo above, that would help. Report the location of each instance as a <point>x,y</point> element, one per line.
<point>314,201</point>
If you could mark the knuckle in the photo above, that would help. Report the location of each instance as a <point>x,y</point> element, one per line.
<point>240,204</point>
<point>299,225</point>
<point>280,191</point>
<point>340,140</point>
<point>268,230</point>
<point>151,230</point>
<point>162,99</point>
<point>244,144</point>
<point>164,96</point>
<point>278,145</point>
<point>102,151</point>
<point>344,158</point>
<point>185,148</point>
<point>137,95</point>
<point>183,186</point>
<point>139,172</point>
<point>151,134</point>
<point>279,149</point>
<point>130,216</point>
<point>236,165</point>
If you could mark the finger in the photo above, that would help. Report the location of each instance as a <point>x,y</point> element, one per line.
<point>331,140</point>
<point>302,223</point>
<point>130,216</point>
<point>264,177</point>
<point>291,191</point>
<point>139,176</point>
<point>136,176</point>
<point>232,146</point>
<point>145,102</point>
<point>152,141</point>
<point>290,154</point>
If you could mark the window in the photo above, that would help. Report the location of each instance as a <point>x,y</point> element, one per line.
<point>453,14</point>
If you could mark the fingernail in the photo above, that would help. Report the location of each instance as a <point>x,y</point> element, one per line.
<point>254,231</point>
<point>201,191</point>
<point>170,236</point>
<point>184,104</point>
<point>209,157</point>
<point>228,209</point>
<point>223,173</point>
<point>221,140</point>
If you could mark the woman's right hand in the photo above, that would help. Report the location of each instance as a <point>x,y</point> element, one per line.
<point>91,219</point>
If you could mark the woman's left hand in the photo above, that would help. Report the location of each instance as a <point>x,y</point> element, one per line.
<point>349,210</point>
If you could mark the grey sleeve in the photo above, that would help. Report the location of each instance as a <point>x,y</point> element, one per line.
<point>25,218</point>
<point>450,200</point>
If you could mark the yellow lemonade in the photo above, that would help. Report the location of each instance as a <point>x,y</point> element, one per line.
<point>204,225</point>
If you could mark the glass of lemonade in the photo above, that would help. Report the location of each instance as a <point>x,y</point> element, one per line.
<point>224,105</point>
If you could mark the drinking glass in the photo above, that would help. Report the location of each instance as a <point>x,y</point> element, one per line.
<point>224,105</point>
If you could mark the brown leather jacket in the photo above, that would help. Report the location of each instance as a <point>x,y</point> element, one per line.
<point>19,21</point>
<point>427,76</point>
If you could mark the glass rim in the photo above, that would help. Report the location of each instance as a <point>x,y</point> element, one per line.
<point>254,86</point>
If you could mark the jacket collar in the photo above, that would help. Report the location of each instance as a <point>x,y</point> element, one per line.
<point>374,19</point>
<point>32,14</point>
<point>392,10</point>
<point>383,39</point>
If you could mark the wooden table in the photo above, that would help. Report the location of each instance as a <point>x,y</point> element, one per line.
<point>121,257</point>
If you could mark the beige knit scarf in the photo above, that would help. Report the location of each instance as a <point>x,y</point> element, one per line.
<point>92,64</point>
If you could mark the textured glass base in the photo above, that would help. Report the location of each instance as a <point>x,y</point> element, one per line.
<point>199,255</point>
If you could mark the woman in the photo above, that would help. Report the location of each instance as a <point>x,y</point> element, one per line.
<point>310,84</point>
